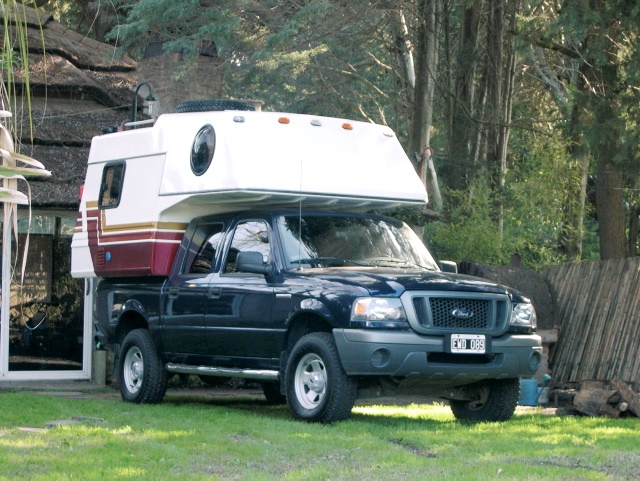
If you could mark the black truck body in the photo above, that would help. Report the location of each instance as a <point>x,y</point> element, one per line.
<point>320,307</point>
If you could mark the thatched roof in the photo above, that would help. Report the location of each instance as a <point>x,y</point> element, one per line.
<point>78,87</point>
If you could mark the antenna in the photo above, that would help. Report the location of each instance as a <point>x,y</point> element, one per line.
<point>300,221</point>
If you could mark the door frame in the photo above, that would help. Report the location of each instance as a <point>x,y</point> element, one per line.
<point>80,374</point>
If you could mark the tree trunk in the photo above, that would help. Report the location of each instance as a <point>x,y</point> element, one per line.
<point>606,141</point>
<point>500,78</point>
<point>610,208</point>
<point>463,126</point>
<point>495,94</point>
<point>571,232</point>
<point>609,181</point>
<point>427,64</point>
<point>403,50</point>
<point>634,214</point>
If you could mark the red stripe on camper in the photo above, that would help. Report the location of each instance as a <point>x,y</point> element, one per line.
<point>133,252</point>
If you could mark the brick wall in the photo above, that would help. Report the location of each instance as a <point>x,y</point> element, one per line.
<point>175,78</point>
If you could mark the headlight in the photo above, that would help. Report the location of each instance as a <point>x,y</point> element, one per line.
<point>378,312</point>
<point>523,315</point>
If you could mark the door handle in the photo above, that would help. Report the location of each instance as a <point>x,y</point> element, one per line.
<point>214,292</point>
<point>173,292</point>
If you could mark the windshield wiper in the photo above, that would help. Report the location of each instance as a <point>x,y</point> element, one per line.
<point>380,261</point>
<point>328,262</point>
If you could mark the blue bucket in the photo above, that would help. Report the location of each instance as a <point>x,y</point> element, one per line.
<point>528,392</point>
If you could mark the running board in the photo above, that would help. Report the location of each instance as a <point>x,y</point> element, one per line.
<point>263,375</point>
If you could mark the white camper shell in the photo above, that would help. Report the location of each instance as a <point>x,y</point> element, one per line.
<point>143,186</point>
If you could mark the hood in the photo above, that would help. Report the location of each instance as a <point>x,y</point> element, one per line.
<point>383,281</point>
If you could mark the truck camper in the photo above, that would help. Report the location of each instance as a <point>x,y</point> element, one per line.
<point>240,244</point>
<point>143,186</point>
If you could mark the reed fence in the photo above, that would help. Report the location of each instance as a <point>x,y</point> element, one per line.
<point>598,315</point>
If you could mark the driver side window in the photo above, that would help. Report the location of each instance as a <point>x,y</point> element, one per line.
<point>248,236</point>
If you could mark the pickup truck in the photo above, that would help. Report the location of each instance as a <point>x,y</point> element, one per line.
<point>320,307</point>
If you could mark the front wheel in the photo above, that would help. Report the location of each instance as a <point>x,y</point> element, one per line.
<point>318,389</point>
<point>492,400</point>
<point>143,378</point>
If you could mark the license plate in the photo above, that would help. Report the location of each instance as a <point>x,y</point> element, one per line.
<point>468,343</point>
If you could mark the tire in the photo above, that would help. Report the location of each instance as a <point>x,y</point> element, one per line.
<point>142,376</point>
<point>213,105</point>
<point>272,393</point>
<point>495,400</point>
<point>318,390</point>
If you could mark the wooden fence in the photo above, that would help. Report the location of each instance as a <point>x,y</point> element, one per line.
<point>598,314</point>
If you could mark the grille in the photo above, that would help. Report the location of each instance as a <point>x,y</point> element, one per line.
<point>460,313</point>
<point>101,257</point>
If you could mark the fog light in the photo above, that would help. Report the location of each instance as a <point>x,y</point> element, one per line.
<point>380,357</point>
<point>534,360</point>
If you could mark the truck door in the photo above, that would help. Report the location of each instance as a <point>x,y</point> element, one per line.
<point>183,326</point>
<point>239,305</point>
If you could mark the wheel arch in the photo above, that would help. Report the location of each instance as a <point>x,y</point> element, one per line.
<point>304,323</point>
<point>299,325</point>
<point>129,320</point>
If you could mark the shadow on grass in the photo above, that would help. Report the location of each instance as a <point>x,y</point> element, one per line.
<point>238,401</point>
<point>390,415</point>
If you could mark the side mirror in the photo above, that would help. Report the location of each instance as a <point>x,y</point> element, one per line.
<point>448,266</point>
<point>251,261</point>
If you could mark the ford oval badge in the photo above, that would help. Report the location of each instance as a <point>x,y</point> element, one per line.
<point>461,313</point>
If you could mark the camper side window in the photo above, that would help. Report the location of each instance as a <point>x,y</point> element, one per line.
<point>111,186</point>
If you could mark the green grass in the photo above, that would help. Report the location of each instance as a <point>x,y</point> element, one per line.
<point>191,437</point>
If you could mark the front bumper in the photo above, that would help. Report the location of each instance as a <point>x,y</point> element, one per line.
<point>407,354</point>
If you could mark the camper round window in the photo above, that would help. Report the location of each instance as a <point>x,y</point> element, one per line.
<point>202,149</point>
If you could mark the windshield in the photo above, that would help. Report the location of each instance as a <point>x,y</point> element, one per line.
<point>326,241</point>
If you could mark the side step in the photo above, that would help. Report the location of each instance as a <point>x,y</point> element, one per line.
<point>263,375</point>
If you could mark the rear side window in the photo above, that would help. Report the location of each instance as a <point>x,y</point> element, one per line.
<point>111,185</point>
<point>202,251</point>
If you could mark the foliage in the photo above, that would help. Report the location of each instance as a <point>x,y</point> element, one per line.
<point>319,56</point>
<point>572,61</point>
<point>469,232</point>
<point>533,201</point>
<point>198,437</point>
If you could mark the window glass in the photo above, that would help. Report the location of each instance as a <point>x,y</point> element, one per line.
<point>111,186</point>
<point>325,241</point>
<point>47,225</point>
<point>202,150</point>
<point>203,247</point>
<point>40,224</point>
<point>248,236</point>
<point>67,227</point>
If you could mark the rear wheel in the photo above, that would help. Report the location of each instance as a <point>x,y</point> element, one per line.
<point>318,390</point>
<point>143,378</point>
<point>492,400</point>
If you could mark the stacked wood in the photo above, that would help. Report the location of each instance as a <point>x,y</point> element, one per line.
<point>598,314</point>
<point>609,399</point>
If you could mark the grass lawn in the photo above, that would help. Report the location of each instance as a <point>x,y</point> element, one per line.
<point>194,437</point>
